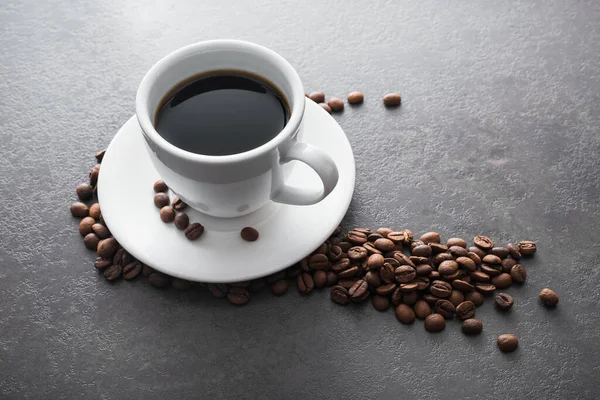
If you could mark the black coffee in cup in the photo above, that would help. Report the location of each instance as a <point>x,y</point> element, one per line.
<point>221,112</point>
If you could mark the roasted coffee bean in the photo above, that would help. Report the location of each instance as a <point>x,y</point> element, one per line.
<point>422,282</point>
<point>100,155</point>
<point>95,212</point>
<point>408,287</point>
<point>440,258</point>
<point>456,242</point>
<point>122,258</point>
<point>444,308</point>
<point>492,259</point>
<point>456,297</point>
<point>409,298</point>
<point>359,291</point>
<point>430,299</point>
<point>465,310</point>
<point>325,107</point>
<point>355,98</point>
<point>476,259</point>
<point>466,263</point>
<point>437,248</point>
<point>380,303</point>
<point>334,253</point>
<point>386,289</point>
<point>508,343</point>
<point>483,242</point>
<point>472,326</point>
<point>405,236</point>
<point>435,323</point>
<point>161,200</point>
<point>373,279</point>
<point>416,260</point>
<point>504,301</point>
<point>320,279</point>
<point>392,100</point>
<point>387,272</point>
<point>356,238</point>
<point>479,276</point>
<point>491,270</point>
<point>357,253</point>
<point>423,269</point>
<point>85,225</point>
<point>397,296</point>
<point>448,267</point>
<point>160,186</point>
<point>107,247</point>
<point>304,264</point>
<point>147,270</point>
<point>339,295</point>
<point>383,231</point>
<point>178,204</point>
<point>159,280</point>
<point>404,274</point>
<point>375,261</point>
<point>458,251</point>
<point>402,259</point>
<point>475,298</point>
<point>462,286</point>
<point>305,283</point>
<point>514,251</point>
<point>430,237</point>
<point>374,236</point>
<point>440,289</point>
<point>434,275</point>
<point>371,249</point>
<point>405,314</point>
<point>340,265</point>
<point>79,210</point>
<point>507,264</point>
<point>113,273</point>
<point>422,251</point>
<point>345,246</point>
<point>485,288</point>
<point>322,249</point>
<point>549,297</point>
<point>194,231</point>
<point>332,278</point>
<point>334,240</point>
<point>84,191</point>
<point>477,250</point>
<point>249,234</point>
<point>94,175</point>
<point>317,97</point>
<point>238,296</point>
<point>518,273</point>
<point>502,281</point>
<point>218,290</point>
<point>167,214</point>
<point>501,252</point>
<point>350,272</point>
<point>182,220</point>
<point>132,270</point>
<point>366,231</point>
<point>336,104</point>
<point>527,247</point>
<point>101,231</point>
<point>451,277</point>
<point>422,309</point>
<point>318,262</point>
<point>384,245</point>
<point>280,287</point>
<point>102,263</point>
<point>180,284</point>
<point>416,243</point>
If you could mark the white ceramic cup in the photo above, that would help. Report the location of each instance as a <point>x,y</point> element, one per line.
<point>236,184</point>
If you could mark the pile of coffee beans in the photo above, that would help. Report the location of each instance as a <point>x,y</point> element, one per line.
<point>424,278</point>
<point>335,104</point>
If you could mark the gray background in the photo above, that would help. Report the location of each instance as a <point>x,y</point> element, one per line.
<point>498,134</point>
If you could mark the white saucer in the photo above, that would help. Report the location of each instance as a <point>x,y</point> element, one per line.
<point>287,233</point>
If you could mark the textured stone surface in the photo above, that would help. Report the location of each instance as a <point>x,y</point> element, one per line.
<point>499,134</point>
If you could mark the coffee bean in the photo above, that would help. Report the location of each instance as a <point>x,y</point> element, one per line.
<point>518,273</point>
<point>325,107</point>
<point>357,253</point>
<point>334,253</point>
<point>102,263</point>
<point>182,220</point>
<point>347,283</point>
<point>416,243</point>
<point>336,104</point>
<point>334,240</point>
<point>465,310</point>
<point>527,247</point>
<point>483,242</point>
<point>318,262</point>
<point>339,295</point>
<point>507,264</point>
<point>456,297</point>
<point>118,257</point>
<point>501,252</point>
<point>404,236</point>
<point>238,296</point>
<point>180,284</point>
<point>466,263</point>
<point>456,242</point>
<point>305,283</point>
<point>340,265</point>
<point>472,326</point>
<point>418,260</point>
<point>387,272</point>
<point>100,155</point>
<point>332,278</point>
<point>437,248</point>
<point>448,267</point>
<point>350,272</point>
<point>373,237</point>
<point>95,211</point>
<point>107,247</point>
<point>405,314</point>
<point>462,286</point>
<point>404,274</point>
<point>218,290</point>
<point>167,214</point>
<point>478,251</point>
<point>355,98</point>
<point>84,191</point>
<point>345,246</point>
<point>113,273</point>
<point>475,298</point>
<point>160,186</point>
<point>280,287</point>
<point>504,301</point>
<point>451,277</point>
<point>475,258</point>
<point>445,308</point>
<point>371,249</point>
<point>356,238</point>
<point>514,251</point>
<point>492,259</point>
<point>380,303</point>
<point>161,200</point>
<point>132,270</point>
<point>375,261</point>
<point>479,276</point>
<point>458,251</point>
<point>85,226</point>
<point>549,297</point>
<point>421,251</point>
<point>178,204</point>
<point>422,309</point>
<point>430,237</point>
<point>147,270</point>
<point>440,289</point>
<point>101,231</point>
<point>485,288</point>
<point>409,298</point>
<point>386,289</point>
<point>194,231</point>
<point>422,283</point>
<point>502,281</point>
<point>384,245</point>
<point>423,269</point>
<point>491,270</point>
<point>373,279</point>
<point>397,296</point>
<point>317,97</point>
<point>434,276</point>
<point>94,175</point>
<point>159,280</point>
<point>430,299</point>
<point>290,272</point>
<point>508,343</point>
<point>304,264</point>
<point>359,291</point>
<point>435,323</point>
<point>79,210</point>
<point>391,100</point>
<point>440,258</point>
<point>320,279</point>
<point>402,259</point>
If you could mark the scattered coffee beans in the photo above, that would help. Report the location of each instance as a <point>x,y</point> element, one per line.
<point>549,297</point>
<point>355,98</point>
<point>91,241</point>
<point>182,220</point>
<point>508,343</point>
<point>167,214</point>
<point>85,191</point>
<point>317,97</point>
<point>391,100</point>
<point>160,186</point>
<point>107,247</point>
<point>339,295</point>
<point>194,231</point>
<point>159,280</point>
<point>465,310</point>
<point>238,296</point>
<point>178,204</point>
<point>85,226</point>
<point>113,273</point>
<point>435,323</point>
<point>405,314</point>
<point>504,301</point>
<point>527,247</point>
<point>161,200</point>
<point>325,107</point>
<point>472,326</point>
<point>79,210</point>
<point>249,234</point>
<point>336,104</point>
<point>518,273</point>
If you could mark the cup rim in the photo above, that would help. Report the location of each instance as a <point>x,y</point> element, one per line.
<point>141,100</point>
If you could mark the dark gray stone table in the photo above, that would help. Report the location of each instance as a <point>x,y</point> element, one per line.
<point>499,133</point>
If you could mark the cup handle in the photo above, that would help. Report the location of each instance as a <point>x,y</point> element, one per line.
<point>320,162</point>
